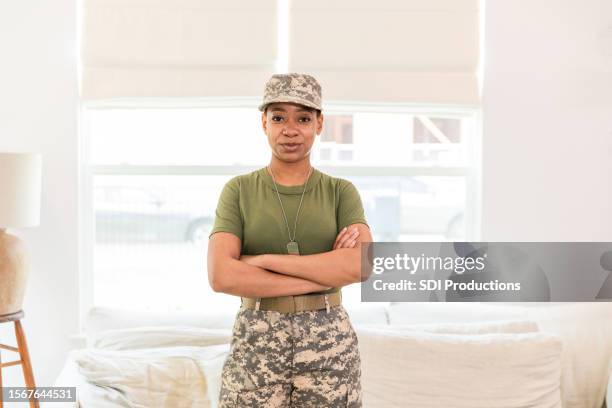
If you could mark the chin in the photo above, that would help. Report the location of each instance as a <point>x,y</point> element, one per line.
<point>289,156</point>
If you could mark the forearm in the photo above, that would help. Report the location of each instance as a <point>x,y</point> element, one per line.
<point>336,268</point>
<point>240,279</point>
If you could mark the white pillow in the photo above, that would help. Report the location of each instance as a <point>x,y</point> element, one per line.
<point>452,312</point>
<point>586,331</point>
<point>106,318</point>
<point>153,337</point>
<point>172,377</point>
<point>422,370</point>
<point>87,394</point>
<point>504,326</point>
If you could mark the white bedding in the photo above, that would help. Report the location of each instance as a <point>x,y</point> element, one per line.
<point>504,326</point>
<point>128,363</point>
<point>148,367</point>
<point>584,329</point>
<point>173,377</point>
<point>159,336</point>
<point>88,394</point>
<point>415,369</point>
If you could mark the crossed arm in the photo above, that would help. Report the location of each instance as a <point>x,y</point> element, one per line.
<point>280,275</point>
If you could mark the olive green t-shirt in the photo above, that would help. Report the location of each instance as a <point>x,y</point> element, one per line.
<point>249,208</point>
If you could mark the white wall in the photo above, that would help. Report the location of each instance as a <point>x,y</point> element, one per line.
<point>38,112</point>
<point>547,139</point>
<point>547,164</point>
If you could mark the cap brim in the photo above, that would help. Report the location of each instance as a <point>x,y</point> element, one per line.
<point>299,101</point>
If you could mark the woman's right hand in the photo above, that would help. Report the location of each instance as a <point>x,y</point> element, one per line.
<point>347,238</point>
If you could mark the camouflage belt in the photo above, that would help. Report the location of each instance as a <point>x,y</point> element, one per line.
<point>292,304</point>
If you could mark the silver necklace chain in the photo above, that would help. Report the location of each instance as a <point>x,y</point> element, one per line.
<point>283,209</point>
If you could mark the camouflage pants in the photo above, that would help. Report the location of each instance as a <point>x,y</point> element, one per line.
<point>303,359</point>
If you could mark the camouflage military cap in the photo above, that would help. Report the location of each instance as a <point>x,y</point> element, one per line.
<point>302,89</point>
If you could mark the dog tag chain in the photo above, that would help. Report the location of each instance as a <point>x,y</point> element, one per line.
<point>292,245</point>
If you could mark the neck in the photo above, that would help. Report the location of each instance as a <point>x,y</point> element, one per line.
<point>290,173</point>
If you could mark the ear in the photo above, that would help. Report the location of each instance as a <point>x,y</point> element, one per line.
<point>319,124</point>
<point>264,122</point>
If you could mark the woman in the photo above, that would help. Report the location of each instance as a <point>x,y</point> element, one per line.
<point>286,239</point>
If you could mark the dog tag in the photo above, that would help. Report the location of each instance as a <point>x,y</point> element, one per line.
<point>292,248</point>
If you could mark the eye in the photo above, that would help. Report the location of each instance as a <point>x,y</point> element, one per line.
<point>276,118</point>
<point>304,119</point>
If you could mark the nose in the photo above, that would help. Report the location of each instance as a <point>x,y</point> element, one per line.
<point>290,130</point>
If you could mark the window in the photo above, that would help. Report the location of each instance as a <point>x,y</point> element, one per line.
<point>154,174</point>
<point>336,142</point>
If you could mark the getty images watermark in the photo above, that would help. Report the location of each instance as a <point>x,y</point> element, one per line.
<point>486,271</point>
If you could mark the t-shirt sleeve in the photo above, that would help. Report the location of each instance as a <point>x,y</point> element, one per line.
<point>350,208</point>
<point>227,216</point>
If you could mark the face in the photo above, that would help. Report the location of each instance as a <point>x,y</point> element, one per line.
<point>291,130</point>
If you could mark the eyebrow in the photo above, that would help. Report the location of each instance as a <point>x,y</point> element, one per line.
<point>283,110</point>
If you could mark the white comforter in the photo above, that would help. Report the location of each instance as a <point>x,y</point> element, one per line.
<point>506,364</point>
<point>403,365</point>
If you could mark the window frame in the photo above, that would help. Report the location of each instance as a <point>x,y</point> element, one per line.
<point>87,171</point>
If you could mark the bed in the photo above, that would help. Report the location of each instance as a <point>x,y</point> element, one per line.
<point>464,355</point>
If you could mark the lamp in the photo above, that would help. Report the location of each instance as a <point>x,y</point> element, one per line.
<point>20,185</point>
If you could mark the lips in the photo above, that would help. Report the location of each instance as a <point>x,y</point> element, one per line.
<point>291,147</point>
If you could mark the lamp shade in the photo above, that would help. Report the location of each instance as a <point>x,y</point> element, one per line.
<point>20,185</point>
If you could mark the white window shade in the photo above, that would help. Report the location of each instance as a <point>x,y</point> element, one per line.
<point>177,48</point>
<point>415,51</point>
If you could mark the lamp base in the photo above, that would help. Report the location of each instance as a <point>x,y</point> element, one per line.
<point>13,273</point>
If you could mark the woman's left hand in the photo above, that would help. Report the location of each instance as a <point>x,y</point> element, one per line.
<point>347,238</point>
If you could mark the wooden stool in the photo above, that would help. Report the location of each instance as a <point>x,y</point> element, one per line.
<point>22,349</point>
